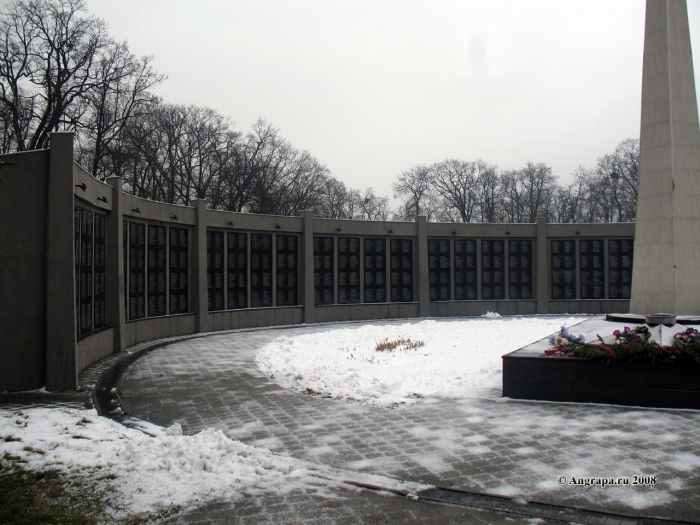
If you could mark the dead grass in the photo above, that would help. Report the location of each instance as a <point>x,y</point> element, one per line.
<point>386,345</point>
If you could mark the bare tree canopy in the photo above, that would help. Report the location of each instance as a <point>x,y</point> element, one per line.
<point>462,191</point>
<point>61,70</point>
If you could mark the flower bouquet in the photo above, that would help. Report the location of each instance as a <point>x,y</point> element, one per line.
<point>628,345</point>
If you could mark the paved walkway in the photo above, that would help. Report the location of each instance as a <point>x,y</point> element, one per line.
<point>484,444</point>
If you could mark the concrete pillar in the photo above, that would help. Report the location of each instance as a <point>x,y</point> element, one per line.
<point>542,267</point>
<point>667,237</point>
<point>423,270</point>
<point>116,293</point>
<point>307,266</point>
<point>61,341</point>
<point>198,277</point>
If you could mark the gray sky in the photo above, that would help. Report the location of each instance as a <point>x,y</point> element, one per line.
<point>373,88</point>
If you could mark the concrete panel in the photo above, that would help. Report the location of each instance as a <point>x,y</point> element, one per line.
<point>93,348</point>
<point>159,327</point>
<point>61,370</point>
<point>144,209</point>
<point>89,189</point>
<point>23,195</point>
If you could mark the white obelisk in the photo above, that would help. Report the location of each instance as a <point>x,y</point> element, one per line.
<point>666,268</point>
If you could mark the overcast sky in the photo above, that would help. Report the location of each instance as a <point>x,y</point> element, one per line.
<point>372,88</point>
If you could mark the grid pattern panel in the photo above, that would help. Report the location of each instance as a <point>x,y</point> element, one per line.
<point>348,270</point>
<point>439,269</point>
<point>465,270</point>
<point>137,270</point>
<point>401,270</point>
<point>179,265</point>
<point>261,270</point>
<point>621,256</point>
<point>323,270</point>
<point>287,269</point>
<point>215,270</point>
<point>100,275</point>
<point>493,285</point>
<point>592,267</point>
<point>157,291</point>
<point>237,270</point>
<point>564,269</point>
<point>520,269</point>
<point>375,270</point>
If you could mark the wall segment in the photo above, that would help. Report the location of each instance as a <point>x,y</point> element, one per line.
<point>128,270</point>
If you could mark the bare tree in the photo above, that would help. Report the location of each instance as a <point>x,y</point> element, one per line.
<point>416,187</point>
<point>121,92</point>
<point>618,174</point>
<point>365,205</point>
<point>48,54</point>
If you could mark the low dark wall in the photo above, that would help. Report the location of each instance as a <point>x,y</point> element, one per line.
<point>23,197</point>
<point>158,327</point>
<point>583,381</point>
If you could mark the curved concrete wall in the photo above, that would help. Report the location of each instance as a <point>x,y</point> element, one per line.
<point>150,285</point>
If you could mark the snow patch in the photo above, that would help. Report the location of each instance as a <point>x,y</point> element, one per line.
<point>454,359</point>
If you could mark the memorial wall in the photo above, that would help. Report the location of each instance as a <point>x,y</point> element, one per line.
<point>144,270</point>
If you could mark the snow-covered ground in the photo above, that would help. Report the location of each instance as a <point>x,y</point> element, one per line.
<point>460,358</point>
<point>150,472</point>
<point>151,468</point>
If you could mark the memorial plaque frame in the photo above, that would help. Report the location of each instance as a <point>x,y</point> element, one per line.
<point>76,269</point>
<point>287,270</point>
<point>261,270</point>
<point>86,277</point>
<point>215,270</point>
<point>349,269</point>
<point>157,267</point>
<point>125,248</point>
<point>520,269</point>
<point>401,253</point>
<point>563,275</point>
<point>375,269</point>
<point>592,268</point>
<point>493,275</point>
<point>237,270</point>
<point>466,271</point>
<point>100,271</point>
<point>440,269</point>
<point>324,282</point>
<point>179,270</point>
<point>137,270</point>
<point>620,259</point>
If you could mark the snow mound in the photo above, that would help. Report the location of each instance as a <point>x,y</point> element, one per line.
<point>150,473</point>
<point>458,358</point>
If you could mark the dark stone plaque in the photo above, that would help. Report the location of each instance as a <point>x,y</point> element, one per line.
<point>215,270</point>
<point>439,269</point>
<point>492,266</point>
<point>260,270</point>
<point>90,229</point>
<point>287,270</point>
<point>237,285</point>
<point>137,270</point>
<point>157,291</point>
<point>375,270</point>
<point>563,276</point>
<point>591,266</point>
<point>620,267</point>
<point>401,270</point>
<point>100,278</point>
<point>323,270</point>
<point>348,270</point>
